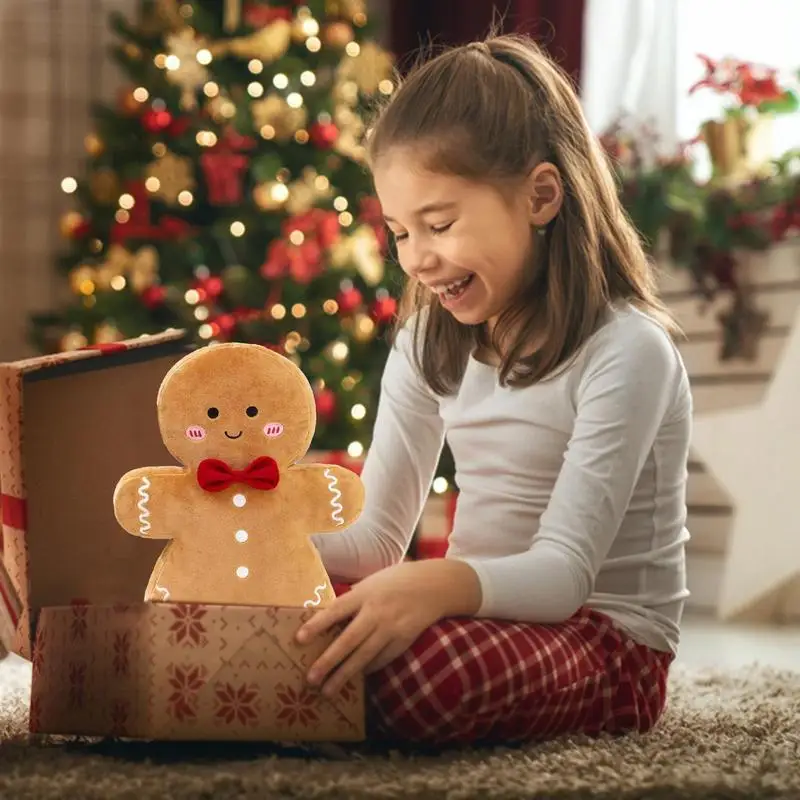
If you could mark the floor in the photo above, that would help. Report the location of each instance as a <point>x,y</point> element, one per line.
<point>705,643</point>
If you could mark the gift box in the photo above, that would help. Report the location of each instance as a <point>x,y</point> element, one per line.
<point>105,663</point>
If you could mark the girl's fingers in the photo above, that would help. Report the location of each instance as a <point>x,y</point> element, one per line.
<point>366,652</point>
<point>341,608</point>
<point>341,648</point>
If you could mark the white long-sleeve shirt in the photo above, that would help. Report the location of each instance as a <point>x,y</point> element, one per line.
<point>572,491</point>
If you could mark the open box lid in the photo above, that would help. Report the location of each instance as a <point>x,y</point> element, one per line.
<point>71,424</point>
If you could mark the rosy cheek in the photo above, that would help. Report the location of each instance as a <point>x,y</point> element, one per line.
<point>273,429</point>
<point>196,433</point>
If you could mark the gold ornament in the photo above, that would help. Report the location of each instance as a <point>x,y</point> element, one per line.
<point>349,145</point>
<point>190,75</point>
<point>267,44</point>
<point>305,192</point>
<point>363,327</point>
<point>74,340</point>
<point>372,65</point>
<point>140,268</point>
<point>270,195</point>
<point>69,223</point>
<point>128,104</point>
<point>274,112</point>
<point>106,333</point>
<point>221,108</point>
<point>345,93</point>
<point>104,186</point>
<point>82,279</point>
<point>133,51</point>
<point>361,251</point>
<point>174,175</point>
<point>93,144</point>
<point>338,35</point>
<point>348,9</point>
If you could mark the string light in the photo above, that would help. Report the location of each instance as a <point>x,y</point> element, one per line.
<point>69,185</point>
<point>159,149</point>
<point>345,219</point>
<point>192,297</point>
<point>353,49</point>
<point>330,307</point>
<point>86,286</point>
<point>160,60</point>
<point>278,311</point>
<point>386,87</point>
<point>294,100</point>
<point>206,138</point>
<point>201,313</point>
<point>313,44</point>
<point>140,94</point>
<point>121,216</point>
<point>360,19</point>
<point>340,203</point>
<point>211,89</point>
<point>118,283</point>
<point>297,238</point>
<point>205,331</point>
<point>255,89</point>
<point>185,198</point>
<point>440,485</point>
<point>255,66</point>
<point>204,56</point>
<point>279,192</point>
<point>126,201</point>
<point>237,229</point>
<point>308,78</point>
<point>172,62</point>
<point>267,132</point>
<point>355,449</point>
<point>301,137</point>
<point>358,411</point>
<point>339,351</point>
<point>298,310</point>
<point>280,81</point>
<point>310,26</point>
<point>348,383</point>
<point>321,183</point>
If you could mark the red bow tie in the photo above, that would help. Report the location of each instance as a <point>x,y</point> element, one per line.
<point>214,475</point>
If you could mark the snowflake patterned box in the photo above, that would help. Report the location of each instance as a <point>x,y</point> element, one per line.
<point>106,663</point>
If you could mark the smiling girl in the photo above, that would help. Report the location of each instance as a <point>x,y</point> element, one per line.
<point>532,340</point>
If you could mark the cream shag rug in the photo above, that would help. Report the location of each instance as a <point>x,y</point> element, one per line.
<point>725,735</point>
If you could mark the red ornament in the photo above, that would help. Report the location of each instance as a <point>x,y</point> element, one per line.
<point>257,15</point>
<point>349,301</point>
<point>212,287</point>
<point>323,135</point>
<point>325,401</point>
<point>179,126</point>
<point>154,296</point>
<point>302,263</point>
<point>156,121</point>
<point>384,309</point>
<point>226,324</point>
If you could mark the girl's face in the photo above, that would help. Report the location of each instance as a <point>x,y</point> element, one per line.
<point>465,241</point>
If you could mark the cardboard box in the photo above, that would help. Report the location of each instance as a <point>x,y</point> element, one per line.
<point>104,662</point>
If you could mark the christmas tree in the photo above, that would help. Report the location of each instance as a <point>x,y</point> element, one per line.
<point>226,193</point>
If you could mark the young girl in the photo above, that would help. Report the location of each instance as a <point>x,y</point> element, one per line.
<point>532,339</point>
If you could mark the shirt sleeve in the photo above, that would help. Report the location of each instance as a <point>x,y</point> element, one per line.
<point>622,394</point>
<point>407,442</point>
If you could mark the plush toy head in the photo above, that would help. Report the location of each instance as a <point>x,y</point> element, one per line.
<point>237,402</point>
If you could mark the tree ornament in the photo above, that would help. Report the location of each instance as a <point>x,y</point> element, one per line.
<point>74,225</point>
<point>106,333</point>
<point>338,35</point>
<point>260,14</point>
<point>372,65</point>
<point>104,186</point>
<point>349,9</point>
<point>156,120</point>
<point>189,74</point>
<point>349,300</point>
<point>267,44</point>
<point>140,268</point>
<point>364,328</point>
<point>132,51</point>
<point>360,250</point>
<point>154,296</point>
<point>270,195</point>
<point>307,191</point>
<point>93,145</point>
<point>174,175</point>
<point>127,103</point>
<point>323,135</point>
<point>383,309</point>
<point>74,340</point>
<point>275,113</point>
<point>325,401</point>
<point>169,15</point>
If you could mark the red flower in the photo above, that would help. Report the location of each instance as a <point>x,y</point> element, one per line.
<point>297,708</point>
<point>240,704</point>
<point>188,627</point>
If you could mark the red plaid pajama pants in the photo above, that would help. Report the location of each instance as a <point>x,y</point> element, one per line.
<point>469,681</point>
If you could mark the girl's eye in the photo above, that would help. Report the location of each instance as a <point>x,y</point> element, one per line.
<point>441,228</point>
<point>400,237</point>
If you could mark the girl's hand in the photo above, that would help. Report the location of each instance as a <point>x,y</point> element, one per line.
<point>388,611</point>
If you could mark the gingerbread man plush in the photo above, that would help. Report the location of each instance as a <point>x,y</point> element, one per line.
<point>239,513</point>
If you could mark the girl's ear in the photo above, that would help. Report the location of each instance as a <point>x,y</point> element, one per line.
<point>545,193</point>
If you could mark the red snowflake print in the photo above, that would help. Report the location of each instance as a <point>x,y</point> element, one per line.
<point>188,628</point>
<point>120,712</point>
<point>38,656</point>
<point>348,692</point>
<point>240,704</point>
<point>77,684</point>
<point>122,653</point>
<point>186,682</point>
<point>78,627</point>
<point>297,707</point>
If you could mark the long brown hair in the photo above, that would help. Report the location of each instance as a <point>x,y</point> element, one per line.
<point>489,112</point>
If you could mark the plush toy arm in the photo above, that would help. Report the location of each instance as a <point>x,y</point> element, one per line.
<point>147,501</point>
<point>332,496</point>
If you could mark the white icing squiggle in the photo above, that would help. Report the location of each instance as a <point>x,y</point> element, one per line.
<point>317,599</point>
<point>336,514</point>
<point>164,592</point>
<point>144,524</point>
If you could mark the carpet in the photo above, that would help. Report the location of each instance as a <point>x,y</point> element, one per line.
<point>724,736</point>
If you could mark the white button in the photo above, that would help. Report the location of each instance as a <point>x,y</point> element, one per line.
<point>241,536</point>
<point>242,572</point>
<point>239,500</point>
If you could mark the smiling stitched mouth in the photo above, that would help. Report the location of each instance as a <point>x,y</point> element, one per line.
<point>233,437</point>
